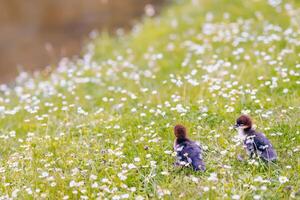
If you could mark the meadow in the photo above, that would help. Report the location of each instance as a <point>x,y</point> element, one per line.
<point>101,127</point>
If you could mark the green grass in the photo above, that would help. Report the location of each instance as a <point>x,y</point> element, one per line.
<point>101,127</point>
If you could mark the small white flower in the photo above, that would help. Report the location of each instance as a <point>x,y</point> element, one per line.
<point>81,111</point>
<point>44,174</point>
<point>229,109</point>
<point>124,196</point>
<point>274,3</point>
<point>235,197</point>
<point>263,188</point>
<point>104,180</point>
<point>283,179</point>
<point>131,166</point>
<point>256,197</point>
<point>29,191</point>
<point>139,198</point>
<point>153,163</point>
<point>258,179</point>
<point>116,197</point>
<point>137,159</point>
<point>194,179</point>
<point>93,177</point>
<point>14,194</point>
<point>165,173</point>
<point>213,177</point>
<point>72,183</point>
<point>168,152</point>
<point>53,184</point>
<point>122,176</point>
<point>150,10</point>
<point>95,185</point>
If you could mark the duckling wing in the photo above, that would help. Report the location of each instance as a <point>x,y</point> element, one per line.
<point>264,147</point>
<point>191,153</point>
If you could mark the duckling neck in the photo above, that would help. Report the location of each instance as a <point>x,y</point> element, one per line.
<point>243,133</point>
<point>181,140</point>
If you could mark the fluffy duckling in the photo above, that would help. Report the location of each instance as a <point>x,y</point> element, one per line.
<point>188,152</point>
<point>255,143</point>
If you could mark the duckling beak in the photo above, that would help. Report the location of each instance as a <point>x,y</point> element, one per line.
<point>235,126</point>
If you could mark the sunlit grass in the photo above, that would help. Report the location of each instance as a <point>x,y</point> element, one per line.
<point>101,127</point>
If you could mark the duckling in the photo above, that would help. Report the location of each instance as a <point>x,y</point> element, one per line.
<point>188,152</point>
<point>255,143</point>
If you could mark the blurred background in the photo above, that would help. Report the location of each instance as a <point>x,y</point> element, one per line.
<point>38,33</point>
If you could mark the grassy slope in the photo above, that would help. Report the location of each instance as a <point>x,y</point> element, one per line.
<point>77,133</point>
